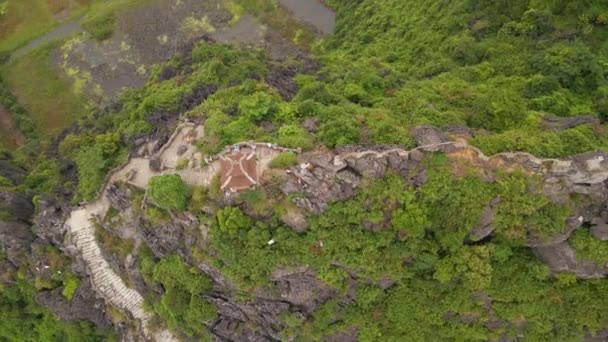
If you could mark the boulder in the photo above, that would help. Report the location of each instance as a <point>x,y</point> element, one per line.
<point>486,227</point>
<point>368,165</point>
<point>600,231</point>
<point>311,124</point>
<point>561,257</point>
<point>295,219</point>
<point>428,135</point>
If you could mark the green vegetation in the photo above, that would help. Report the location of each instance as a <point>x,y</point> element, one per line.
<point>589,248</point>
<point>182,305</point>
<point>284,160</point>
<point>99,25</point>
<point>497,67</point>
<point>23,320</point>
<point>440,282</point>
<point>169,192</point>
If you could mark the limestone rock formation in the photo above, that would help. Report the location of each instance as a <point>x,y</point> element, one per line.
<point>557,123</point>
<point>83,306</point>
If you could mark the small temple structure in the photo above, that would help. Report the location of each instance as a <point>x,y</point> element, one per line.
<point>239,171</point>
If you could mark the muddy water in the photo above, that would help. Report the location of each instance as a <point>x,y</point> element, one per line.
<point>312,12</point>
<point>60,32</point>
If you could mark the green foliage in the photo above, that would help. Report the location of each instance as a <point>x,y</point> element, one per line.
<point>542,143</point>
<point>70,285</point>
<point>91,170</point>
<point>232,221</point>
<point>182,305</point>
<point>44,177</point>
<point>156,216</point>
<point>169,192</point>
<point>256,107</point>
<point>21,319</point>
<point>294,137</point>
<point>498,109</point>
<point>99,25</point>
<point>573,65</point>
<point>284,160</point>
<point>589,248</point>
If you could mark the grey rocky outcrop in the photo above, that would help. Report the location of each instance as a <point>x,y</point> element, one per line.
<point>428,135</point>
<point>295,291</point>
<point>557,123</point>
<point>486,223</point>
<point>561,257</point>
<point>325,177</point>
<point>162,239</point>
<point>83,306</point>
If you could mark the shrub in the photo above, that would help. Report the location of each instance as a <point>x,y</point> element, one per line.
<point>169,192</point>
<point>341,131</point>
<point>284,160</point>
<point>293,136</point>
<point>100,26</point>
<point>70,285</point>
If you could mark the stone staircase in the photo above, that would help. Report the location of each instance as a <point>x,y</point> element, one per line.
<point>103,278</point>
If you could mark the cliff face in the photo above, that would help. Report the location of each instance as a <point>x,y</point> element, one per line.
<point>323,177</point>
<point>326,177</point>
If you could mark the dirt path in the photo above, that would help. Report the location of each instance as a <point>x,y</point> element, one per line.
<point>63,31</point>
<point>8,131</point>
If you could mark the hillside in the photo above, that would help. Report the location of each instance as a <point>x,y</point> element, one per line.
<point>277,170</point>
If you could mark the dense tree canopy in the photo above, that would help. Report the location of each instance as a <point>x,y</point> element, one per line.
<point>169,192</point>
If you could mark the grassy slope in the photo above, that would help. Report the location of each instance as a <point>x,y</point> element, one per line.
<point>43,92</point>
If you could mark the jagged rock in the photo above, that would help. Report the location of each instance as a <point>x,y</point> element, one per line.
<point>230,329</point>
<point>50,220</point>
<point>300,288</point>
<point>264,315</point>
<point>368,166</point>
<point>572,224</point>
<point>561,257</point>
<point>162,239</point>
<point>557,123</point>
<point>486,227</point>
<point>428,135</point>
<point>267,126</point>
<point>295,219</point>
<point>83,306</point>
<point>15,240</point>
<point>11,172</point>
<point>18,206</point>
<point>385,284</point>
<point>600,231</point>
<point>119,197</point>
<point>311,124</point>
